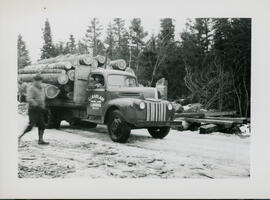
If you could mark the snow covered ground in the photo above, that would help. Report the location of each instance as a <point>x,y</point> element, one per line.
<point>89,153</point>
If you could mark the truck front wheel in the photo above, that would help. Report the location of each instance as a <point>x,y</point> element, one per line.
<point>159,132</point>
<point>118,129</point>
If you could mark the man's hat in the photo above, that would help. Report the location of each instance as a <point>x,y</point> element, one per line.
<point>38,77</point>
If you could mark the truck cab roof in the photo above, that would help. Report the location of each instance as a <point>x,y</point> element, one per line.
<point>106,72</point>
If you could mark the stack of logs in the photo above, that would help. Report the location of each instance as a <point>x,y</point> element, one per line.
<point>58,73</point>
<point>208,122</point>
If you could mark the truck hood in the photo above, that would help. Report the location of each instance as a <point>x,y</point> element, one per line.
<point>134,92</point>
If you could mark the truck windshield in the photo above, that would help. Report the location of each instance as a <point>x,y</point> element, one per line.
<point>116,80</point>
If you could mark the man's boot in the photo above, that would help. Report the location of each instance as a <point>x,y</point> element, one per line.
<point>40,137</point>
<point>27,129</point>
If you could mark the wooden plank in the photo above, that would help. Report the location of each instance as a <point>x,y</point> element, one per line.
<point>224,113</point>
<point>240,120</point>
<point>209,128</point>
<point>204,114</point>
<point>210,121</point>
<point>80,84</point>
<point>195,114</point>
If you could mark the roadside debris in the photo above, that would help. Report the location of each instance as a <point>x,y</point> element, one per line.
<point>194,117</point>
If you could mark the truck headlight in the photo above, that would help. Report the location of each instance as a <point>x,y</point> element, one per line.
<point>142,105</point>
<point>170,107</point>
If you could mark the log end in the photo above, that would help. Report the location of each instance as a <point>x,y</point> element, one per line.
<point>51,91</point>
<point>62,79</point>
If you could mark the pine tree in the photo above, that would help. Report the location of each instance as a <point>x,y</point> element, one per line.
<point>72,45</point>
<point>111,41</point>
<point>165,46</point>
<point>92,36</point>
<point>48,49</point>
<point>59,48</point>
<point>23,58</point>
<point>171,67</point>
<point>137,35</point>
<point>122,39</point>
<point>119,30</point>
<point>167,30</point>
<point>204,35</point>
<point>66,48</point>
<point>146,63</point>
<point>62,48</point>
<point>82,47</point>
<point>137,32</point>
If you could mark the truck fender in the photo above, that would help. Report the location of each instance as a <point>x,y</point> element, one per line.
<point>116,104</point>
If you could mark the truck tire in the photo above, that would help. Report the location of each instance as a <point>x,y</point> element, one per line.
<point>118,128</point>
<point>159,132</point>
<point>52,121</point>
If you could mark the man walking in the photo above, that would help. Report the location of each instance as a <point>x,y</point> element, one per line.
<point>36,100</point>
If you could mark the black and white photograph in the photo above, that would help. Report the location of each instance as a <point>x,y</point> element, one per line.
<point>133,99</point>
<point>110,96</point>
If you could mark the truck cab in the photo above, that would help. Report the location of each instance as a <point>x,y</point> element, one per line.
<point>114,98</point>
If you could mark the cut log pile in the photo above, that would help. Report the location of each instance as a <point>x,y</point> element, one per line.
<point>118,64</point>
<point>208,122</point>
<point>58,73</point>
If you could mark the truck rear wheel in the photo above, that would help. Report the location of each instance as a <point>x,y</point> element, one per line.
<point>52,119</point>
<point>159,132</point>
<point>118,129</point>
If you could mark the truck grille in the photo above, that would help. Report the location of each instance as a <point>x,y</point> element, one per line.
<point>156,111</point>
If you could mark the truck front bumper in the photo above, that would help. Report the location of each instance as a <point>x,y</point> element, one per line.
<point>147,124</point>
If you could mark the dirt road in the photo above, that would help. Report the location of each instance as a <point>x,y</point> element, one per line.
<point>89,153</point>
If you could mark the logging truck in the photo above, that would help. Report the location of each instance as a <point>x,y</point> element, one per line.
<point>117,102</point>
<point>86,90</point>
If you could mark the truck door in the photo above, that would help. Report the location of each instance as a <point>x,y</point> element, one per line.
<point>96,97</point>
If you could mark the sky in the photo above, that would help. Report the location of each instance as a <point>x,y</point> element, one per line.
<point>73,17</point>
